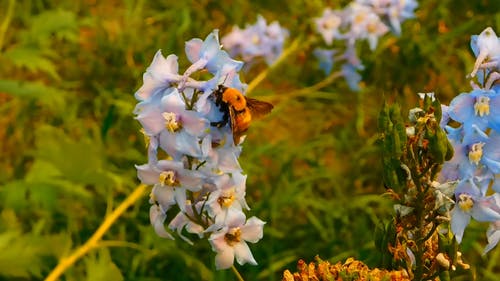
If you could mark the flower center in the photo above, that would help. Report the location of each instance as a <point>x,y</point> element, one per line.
<point>168,178</point>
<point>255,40</point>
<point>482,106</point>
<point>371,27</point>
<point>476,152</point>
<point>465,202</point>
<point>171,122</point>
<point>233,236</point>
<point>394,12</point>
<point>331,23</point>
<point>227,199</point>
<point>360,17</point>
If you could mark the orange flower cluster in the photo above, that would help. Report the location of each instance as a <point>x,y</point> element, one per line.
<point>351,269</point>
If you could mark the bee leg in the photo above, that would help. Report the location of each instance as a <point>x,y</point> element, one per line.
<point>221,123</point>
<point>218,124</point>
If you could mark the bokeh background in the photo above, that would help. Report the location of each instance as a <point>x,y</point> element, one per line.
<point>69,141</point>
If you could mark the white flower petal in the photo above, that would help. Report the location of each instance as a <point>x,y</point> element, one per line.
<point>243,254</point>
<point>224,260</point>
<point>157,218</point>
<point>252,231</point>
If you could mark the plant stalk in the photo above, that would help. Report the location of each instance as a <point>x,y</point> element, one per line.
<point>92,243</point>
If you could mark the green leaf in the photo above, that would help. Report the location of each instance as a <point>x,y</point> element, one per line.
<point>393,141</point>
<point>20,256</point>
<point>52,97</point>
<point>49,24</point>
<point>33,59</point>
<point>100,267</point>
<point>86,154</point>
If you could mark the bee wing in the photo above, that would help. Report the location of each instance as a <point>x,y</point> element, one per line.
<point>258,108</point>
<point>234,128</point>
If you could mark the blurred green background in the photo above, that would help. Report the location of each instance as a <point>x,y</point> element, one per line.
<point>69,141</point>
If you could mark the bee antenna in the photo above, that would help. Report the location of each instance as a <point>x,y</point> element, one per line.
<point>225,78</point>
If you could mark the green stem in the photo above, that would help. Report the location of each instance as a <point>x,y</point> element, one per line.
<point>93,242</point>
<point>236,272</point>
<point>122,244</point>
<point>6,22</point>
<point>323,83</point>
<point>419,235</point>
<point>360,114</point>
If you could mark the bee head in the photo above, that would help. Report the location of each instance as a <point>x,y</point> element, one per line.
<point>234,98</point>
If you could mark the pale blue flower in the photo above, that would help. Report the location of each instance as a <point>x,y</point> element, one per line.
<point>200,52</point>
<point>326,59</point>
<point>179,129</point>
<point>228,198</point>
<point>182,221</point>
<point>471,204</point>
<point>458,166</point>
<point>479,156</point>
<point>157,217</point>
<point>328,25</point>
<point>257,40</point>
<point>394,11</point>
<point>171,180</point>
<point>492,234</point>
<point>183,129</point>
<point>225,158</point>
<point>159,76</point>
<point>352,76</point>
<point>486,47</point>
<point>231,241</point>
<point>479,107</point>
<point>364,24</point>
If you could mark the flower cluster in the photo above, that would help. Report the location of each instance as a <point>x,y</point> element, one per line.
<point>192,159</point>
<point>256,41</point>
<point>360,20</point>
<point>473,126</point>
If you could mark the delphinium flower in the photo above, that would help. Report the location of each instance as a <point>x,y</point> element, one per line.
<point>471,203</point>
<point>363,23</point>
<point>230,241</point>
<point>198,185</point>
<point>326,59</point>
<point>259,40</point>
<point>486,48</point>
<point>392,11</point>
<point>328,25</point>
<point>493,234</point>
<point>360,20</point>
<point>474,131</point>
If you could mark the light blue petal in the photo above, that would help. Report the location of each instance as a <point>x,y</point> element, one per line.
<point>459,221</point>
<point>193,49</point>
<point>461,108</point>
<point>482,211</point>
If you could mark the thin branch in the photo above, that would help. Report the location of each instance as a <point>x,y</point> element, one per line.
<point>92,243</point>
<point>236,272</point>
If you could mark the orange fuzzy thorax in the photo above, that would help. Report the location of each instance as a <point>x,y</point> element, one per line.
<point>234,98</point>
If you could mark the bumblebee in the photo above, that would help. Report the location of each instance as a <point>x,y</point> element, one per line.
<point>238,110</point>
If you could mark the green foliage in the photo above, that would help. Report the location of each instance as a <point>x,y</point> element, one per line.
<point>385,235</point>
<point>100,267</point>
<point>393,142</point>
<point>69,141</point>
